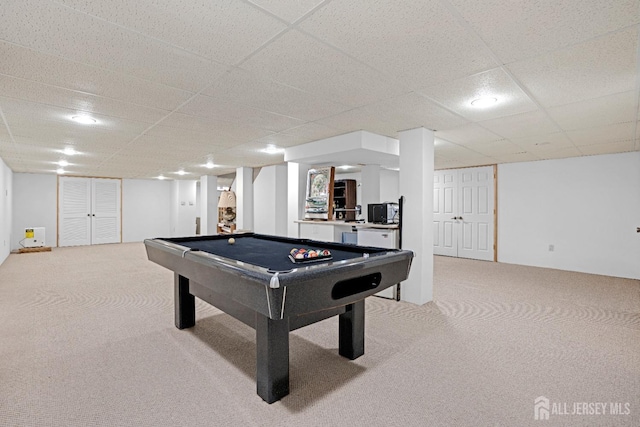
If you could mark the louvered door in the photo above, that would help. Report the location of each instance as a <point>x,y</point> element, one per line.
<point>74,216</point>
<point>105,224</point>
<point>89,211</point>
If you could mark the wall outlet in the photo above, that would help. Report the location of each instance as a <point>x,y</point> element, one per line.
<point>551,248</point>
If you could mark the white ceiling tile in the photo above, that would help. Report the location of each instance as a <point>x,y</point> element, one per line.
<point>550,140</point>
<point>521,125</point>
<point>516,29</point>
<point>496,148</point>
<point>54,29</point>
<point>308,132</point>
<point>300,61</point>
<point>80,102</point>
<point>244,76</point>
<point>468,134</point>
<point>450,150</point>
<point>220,131</point>
<point>560,153</point>
<point>412,110</point>
<point>548,146</point>
<point>609,148</point>
<point>458,94</point>
<point>603,134</point>
<point>21,113</point>
<point>588,70</point>
<point>242,87</point>
<point>206,106</point>
<point>4,133</point>
<point>28,64</point>
<point>223,30</point>
<point>616,108</point>
<point>402,39</point>
<point>360,119</point>
<point>289,10</point>
<point>522,156</point>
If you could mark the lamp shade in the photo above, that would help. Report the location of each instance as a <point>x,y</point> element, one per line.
<point>227,199</point>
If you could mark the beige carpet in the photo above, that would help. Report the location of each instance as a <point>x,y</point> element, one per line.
<point>87,339</point>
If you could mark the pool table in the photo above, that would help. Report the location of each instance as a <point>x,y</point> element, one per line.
<point>254,280</point>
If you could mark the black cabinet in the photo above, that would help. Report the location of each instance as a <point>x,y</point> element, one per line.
<point>344,199</point>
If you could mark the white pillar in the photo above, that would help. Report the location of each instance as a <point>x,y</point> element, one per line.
<point>416,185</point>
<point>244,198</point>
<point>369,187</point>
<point>296,192</point>
<point>208,204</point>
<point>270,196</point>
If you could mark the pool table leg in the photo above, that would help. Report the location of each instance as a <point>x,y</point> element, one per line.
<point>272,358</point>
<point>184,303</point>
<point>351,331</point>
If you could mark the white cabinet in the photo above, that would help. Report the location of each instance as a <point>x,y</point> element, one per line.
<point>325,231</point>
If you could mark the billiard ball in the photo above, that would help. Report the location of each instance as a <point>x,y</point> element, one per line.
<point>232,241</point>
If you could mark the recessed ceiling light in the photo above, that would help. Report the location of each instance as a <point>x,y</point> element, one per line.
<point>181,172</point>
<point>161,177</point>
<point>60,171</point>
<point>209,165</point>
<point>70,151</point>
<point>272,149</point>
<point>484,101</point>
<point>85,120</point>
<point>345,167</point>
<point>63,163</point>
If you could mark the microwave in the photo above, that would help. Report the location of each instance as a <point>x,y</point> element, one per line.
<point>383,213</point>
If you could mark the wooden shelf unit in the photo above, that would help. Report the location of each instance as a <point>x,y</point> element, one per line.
<point>344,197</point>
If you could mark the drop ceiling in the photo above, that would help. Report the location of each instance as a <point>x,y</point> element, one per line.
<point>174,84</point>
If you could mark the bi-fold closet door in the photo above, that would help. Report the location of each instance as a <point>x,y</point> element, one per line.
<point>464,213</point>
<point>89,211</point>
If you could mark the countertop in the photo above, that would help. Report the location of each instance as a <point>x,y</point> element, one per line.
<point>348,224</point>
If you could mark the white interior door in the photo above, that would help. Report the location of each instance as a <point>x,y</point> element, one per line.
<point>445,208</point>
<point>74,211</point>
<point>476,213</point>
<point>464,212</point>
<point>89,211</point>
<point>105,215</point>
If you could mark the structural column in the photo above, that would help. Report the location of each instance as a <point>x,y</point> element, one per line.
<point>208,204</point>
<point>244,198</point>
<point>416,185</point>
<point>296,192</point>
<point>370,187</point>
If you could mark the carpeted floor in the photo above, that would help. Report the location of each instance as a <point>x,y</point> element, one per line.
<point>87,339</point>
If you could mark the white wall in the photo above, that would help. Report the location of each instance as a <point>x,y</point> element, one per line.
<point>183,210</point>
<point>588,208</point>
<point>270,201</point>
<point>34,205</point>
<point>389,186</point>
<point>6,210</point>
<point>145,209</point>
